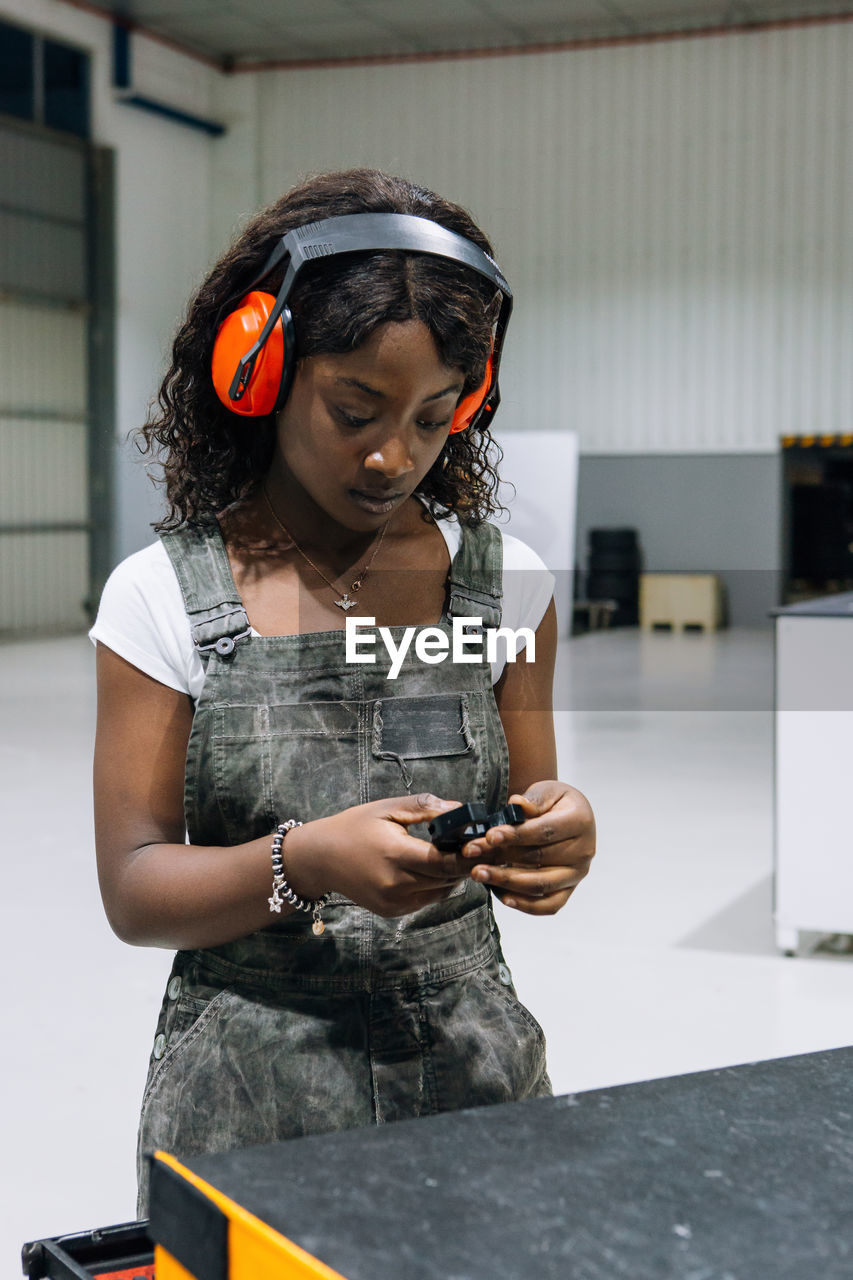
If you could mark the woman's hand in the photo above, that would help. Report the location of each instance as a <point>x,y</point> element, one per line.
<point>367,854</point>
<point>536,867</point>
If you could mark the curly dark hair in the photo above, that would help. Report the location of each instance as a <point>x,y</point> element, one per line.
<point>210,457</point>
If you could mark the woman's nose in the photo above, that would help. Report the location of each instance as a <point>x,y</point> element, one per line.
<point>393,458</point>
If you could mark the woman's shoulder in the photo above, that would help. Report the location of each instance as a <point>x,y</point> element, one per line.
<point>141,570</point>
<point>520,555</point>
<point>144,582</point>
<point>516,553</point>
<point>141,617</point>
<point>528,583</point>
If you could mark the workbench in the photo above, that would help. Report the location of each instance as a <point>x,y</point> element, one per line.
<point>742,1173</point>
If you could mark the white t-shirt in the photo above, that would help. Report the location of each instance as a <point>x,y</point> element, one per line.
<point>142,617</point>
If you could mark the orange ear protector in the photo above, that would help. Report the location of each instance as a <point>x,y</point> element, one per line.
<point>253,352</point>
<point>237,333</point>
<point>469,406</point>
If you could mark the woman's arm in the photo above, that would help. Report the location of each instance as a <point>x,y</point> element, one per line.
<point>550,853</point>
<point>159,891</point>
<point>525,697</point>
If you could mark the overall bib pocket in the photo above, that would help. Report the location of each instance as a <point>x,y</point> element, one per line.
<point>432,742</point>
<point>254,747</point>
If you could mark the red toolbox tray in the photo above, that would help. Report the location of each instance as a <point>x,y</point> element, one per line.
<point>124,1252</point>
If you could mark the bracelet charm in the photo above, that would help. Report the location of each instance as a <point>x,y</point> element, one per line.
<point>282,892</point>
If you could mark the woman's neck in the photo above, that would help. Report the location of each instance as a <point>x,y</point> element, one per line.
<point>280,509</point>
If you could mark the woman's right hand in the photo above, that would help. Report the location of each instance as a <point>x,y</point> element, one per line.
<point>367,854</point>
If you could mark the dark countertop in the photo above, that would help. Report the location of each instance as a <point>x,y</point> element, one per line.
<point>837,606</point>
<point>738,1174</point>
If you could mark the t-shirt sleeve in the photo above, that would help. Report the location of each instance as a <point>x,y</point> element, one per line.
<point>142,618</point>
<point>528,587</point>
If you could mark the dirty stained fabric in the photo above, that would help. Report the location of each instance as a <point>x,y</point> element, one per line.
<point>284,1033</point>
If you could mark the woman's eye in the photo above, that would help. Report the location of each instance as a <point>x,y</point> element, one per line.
<point>352,420</point>
<point>434,426</point>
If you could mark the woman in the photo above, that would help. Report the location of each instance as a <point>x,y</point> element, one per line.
<point>328,462</point>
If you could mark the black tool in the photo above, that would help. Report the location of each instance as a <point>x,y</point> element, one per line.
<point>453,829</point>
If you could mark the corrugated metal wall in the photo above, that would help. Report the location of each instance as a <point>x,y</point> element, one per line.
<point>676,219</point>
<point>44,317</point>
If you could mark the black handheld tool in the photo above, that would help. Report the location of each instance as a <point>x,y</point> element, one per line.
<point>451,830</point>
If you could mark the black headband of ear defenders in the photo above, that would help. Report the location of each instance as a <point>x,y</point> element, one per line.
<point>360,233</point>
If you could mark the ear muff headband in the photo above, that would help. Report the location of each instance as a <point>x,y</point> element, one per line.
<point>253,369</point>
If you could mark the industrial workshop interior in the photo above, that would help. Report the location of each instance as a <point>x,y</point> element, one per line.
<point>662,507</point>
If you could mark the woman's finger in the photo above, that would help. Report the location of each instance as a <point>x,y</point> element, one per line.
<point>567,821</point>
<point>537,857</point>
<point>547,906</point>
<point>426,860</point>
<point>448,867</point>
<point>530,882</point>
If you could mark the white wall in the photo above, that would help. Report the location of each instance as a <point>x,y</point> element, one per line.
<point>674,217</point>
<point>163,175</point>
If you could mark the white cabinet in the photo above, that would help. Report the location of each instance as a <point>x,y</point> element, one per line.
<point>814,769</point>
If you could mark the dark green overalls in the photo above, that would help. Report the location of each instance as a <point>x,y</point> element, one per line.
<point>284,1033</point>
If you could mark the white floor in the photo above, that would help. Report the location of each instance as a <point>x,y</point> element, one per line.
<point>663,962</point>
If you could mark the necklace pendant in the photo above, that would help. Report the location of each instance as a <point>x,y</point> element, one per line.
<point>345,603</point>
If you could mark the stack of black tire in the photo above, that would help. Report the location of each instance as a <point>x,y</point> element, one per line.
<point>613,572</point>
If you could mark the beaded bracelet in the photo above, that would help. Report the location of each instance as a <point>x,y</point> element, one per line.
<point>281,890</point>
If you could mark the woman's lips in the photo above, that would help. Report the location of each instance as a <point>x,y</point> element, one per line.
<point>376,504</point>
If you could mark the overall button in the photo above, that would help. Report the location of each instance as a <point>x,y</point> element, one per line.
<point>504,975</point>
<point>174,988</point>
<point>224,646</point>
<point>159,1046</point>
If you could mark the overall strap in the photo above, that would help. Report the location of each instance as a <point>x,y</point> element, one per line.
<point>213,605</point>
<point>476,582</point>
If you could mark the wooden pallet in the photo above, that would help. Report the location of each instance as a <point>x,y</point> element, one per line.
<point>680,602</point>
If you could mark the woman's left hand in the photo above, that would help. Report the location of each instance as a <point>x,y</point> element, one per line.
<point>536,867</point>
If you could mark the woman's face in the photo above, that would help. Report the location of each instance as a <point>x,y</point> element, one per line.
<point>361,430</point>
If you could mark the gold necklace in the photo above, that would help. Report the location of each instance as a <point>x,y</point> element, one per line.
<point>345,602</point>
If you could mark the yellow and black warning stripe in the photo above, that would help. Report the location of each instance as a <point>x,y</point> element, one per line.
<point>817,441</point>
<point>202,1234</point>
